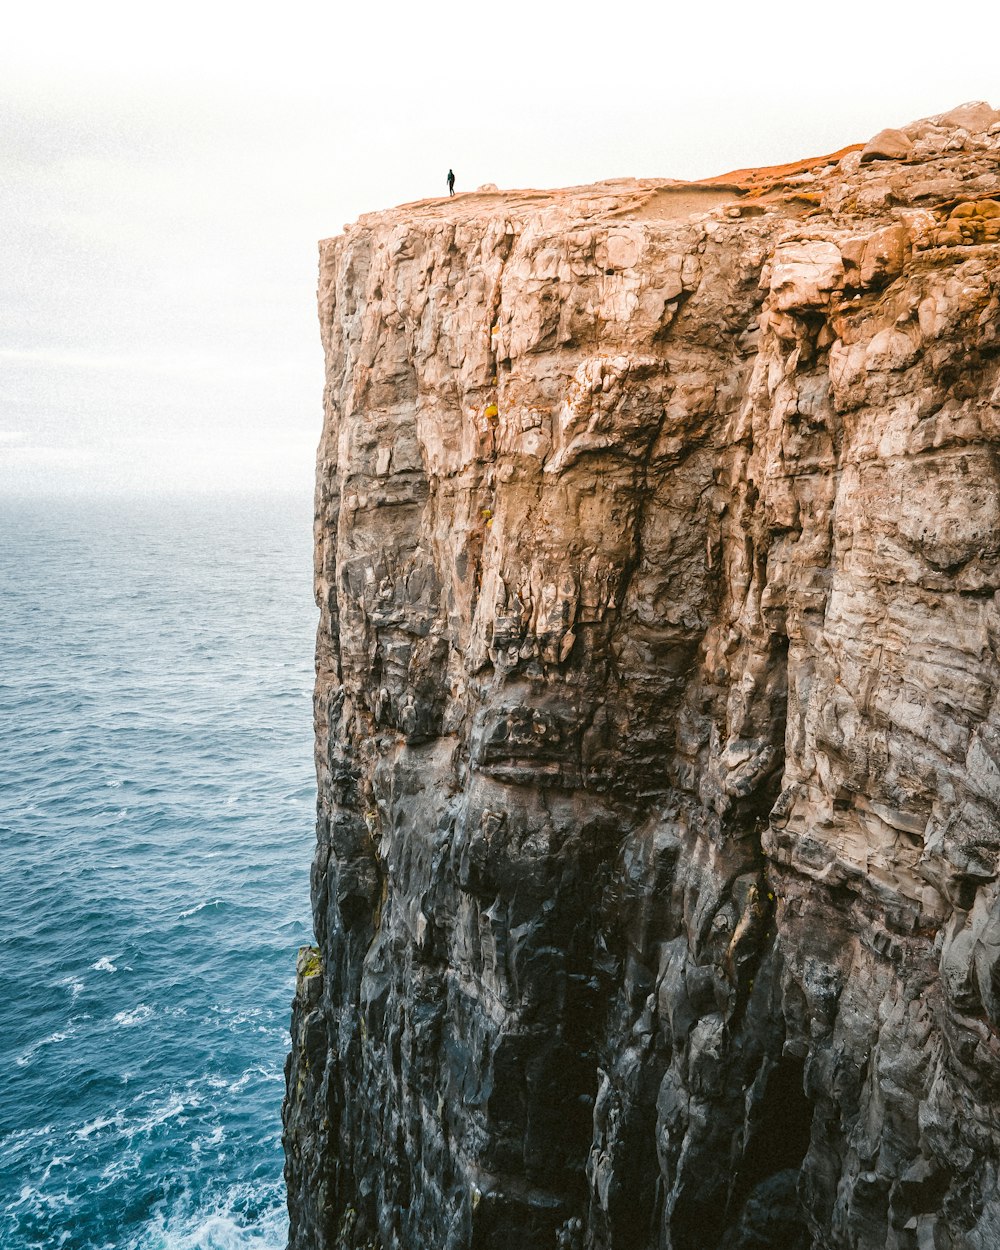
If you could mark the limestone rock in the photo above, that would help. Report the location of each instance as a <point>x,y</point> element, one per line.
<point>806,275</point>
<point>887,145</point>
<point>657,882</point>
<point>976,117</point>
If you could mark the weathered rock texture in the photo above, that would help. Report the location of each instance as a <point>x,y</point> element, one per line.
<point>658,716</point>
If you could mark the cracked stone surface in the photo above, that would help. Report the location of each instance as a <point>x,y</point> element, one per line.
<point>658,716</point>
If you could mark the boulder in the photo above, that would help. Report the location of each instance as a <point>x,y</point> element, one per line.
<point>887,145</point>
<point>976,117</point>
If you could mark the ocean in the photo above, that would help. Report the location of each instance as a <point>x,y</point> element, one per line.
<point>157,800</point>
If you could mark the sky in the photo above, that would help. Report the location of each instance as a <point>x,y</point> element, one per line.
<point>168,169</point>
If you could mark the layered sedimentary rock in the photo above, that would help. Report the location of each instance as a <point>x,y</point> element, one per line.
<point>658,716</point>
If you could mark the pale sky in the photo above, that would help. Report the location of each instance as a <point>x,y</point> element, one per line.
<point>167,171</point>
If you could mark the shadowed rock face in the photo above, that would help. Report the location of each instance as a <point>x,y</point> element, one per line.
<point>657,721</point>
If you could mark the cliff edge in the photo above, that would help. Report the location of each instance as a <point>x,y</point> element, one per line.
<point>658,716</point>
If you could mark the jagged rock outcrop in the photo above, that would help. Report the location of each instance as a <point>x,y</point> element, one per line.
<point>658,716</point>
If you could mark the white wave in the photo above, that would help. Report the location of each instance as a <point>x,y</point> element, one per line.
<point>257,1072</point>
<point>126,1164</point>
<point>21,1135</point>
<point>193,911</point>
<point>21,1149</point>
<point>215,1228</point>
<point>174,1107</point>
<point>74,985</point>
<point>104,964</point>
<point>23,1060</point>
<point>129,1019</point>
<point>48,1206</point>
<point>209,1143</point>
<point>96,1125</point>
<point>114,784</point>
<point>139,1120</point>
<point>57,1161</point>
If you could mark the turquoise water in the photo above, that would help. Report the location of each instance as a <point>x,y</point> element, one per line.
<point>156,814</point>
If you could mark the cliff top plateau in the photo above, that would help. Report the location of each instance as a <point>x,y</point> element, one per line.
<point>946,140</point>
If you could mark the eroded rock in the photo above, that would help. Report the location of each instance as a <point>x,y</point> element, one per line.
<point>887,145</point>
<point>658,717</point>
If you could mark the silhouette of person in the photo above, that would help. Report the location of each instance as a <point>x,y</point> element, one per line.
<point>451,182</point>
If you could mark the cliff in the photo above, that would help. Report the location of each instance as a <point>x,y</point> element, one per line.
<point>658,716</point>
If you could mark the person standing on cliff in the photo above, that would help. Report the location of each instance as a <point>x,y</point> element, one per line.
<point>451,182</point>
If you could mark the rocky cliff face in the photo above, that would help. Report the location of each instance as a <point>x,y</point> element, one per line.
<point>658,716</point>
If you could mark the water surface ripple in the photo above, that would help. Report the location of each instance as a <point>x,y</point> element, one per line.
<point>156,812</point>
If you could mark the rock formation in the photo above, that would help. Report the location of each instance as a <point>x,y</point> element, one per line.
<point>658,716</point>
